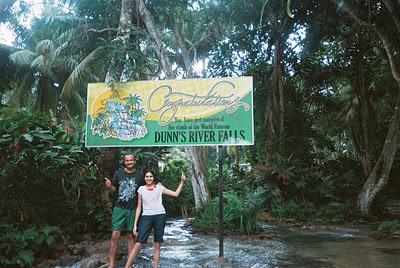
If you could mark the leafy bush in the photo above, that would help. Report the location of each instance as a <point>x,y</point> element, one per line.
<point>176,164</point>
<point>336,212</point>
<point>47,176</point>
<point>240,213</point>
<point>293,210</point>
<point>19,246</point>
<point>332,212</point>
<point>309,192</point>
<point>389,226</point>
<point>207,219</point>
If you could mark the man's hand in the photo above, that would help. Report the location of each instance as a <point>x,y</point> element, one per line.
<point>108,183</point>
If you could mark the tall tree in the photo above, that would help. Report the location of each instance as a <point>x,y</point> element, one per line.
<point>383,20</point>
<point>187,41</point>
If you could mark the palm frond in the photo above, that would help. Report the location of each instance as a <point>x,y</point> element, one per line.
<point>65,18</point>
<point>23,57</point>
<point>81,72</point>
<point>64,36</point>
<point>76,105</point>
<point>45,47</point>
<point>23,34</point>
<point>69,64</point>
<point>62,41</point>
<point>57,52</point>
<point>41,64</point>
<point>38,63</point>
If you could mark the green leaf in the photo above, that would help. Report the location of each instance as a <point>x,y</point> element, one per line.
<point>50,240</point>
<point>288,10</point>
<point>51,229</point>
<point>5,140</point>
<point>25,257</point>
<point>44,136</point>
<point>28,137</point>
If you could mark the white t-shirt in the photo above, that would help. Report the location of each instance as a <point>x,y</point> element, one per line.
<point>152,200</point>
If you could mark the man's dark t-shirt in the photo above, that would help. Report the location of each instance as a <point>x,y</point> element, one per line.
<point>127,185</point>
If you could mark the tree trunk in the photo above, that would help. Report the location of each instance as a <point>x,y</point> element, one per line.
<point>184,52</point>
<point>108,163</point>
<point>109,158</point>
<point>275,104</point>
<point>269,123</point>
<point>151,28</point>
<point>380,174</point>
<point>198,155</point>
<point>198,171</point>
<point>125,20</point>
<point>279,85</point>
<point>364,150</point>
<point>47,97</point>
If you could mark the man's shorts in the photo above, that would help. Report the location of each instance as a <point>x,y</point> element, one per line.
<point>122,219</point>
<point>145,225</point>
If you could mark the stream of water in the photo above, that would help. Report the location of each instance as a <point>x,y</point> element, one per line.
<point>283,247</point>
<point>289,248</point>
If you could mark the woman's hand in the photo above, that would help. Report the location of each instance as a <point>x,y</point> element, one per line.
<point>135,232</point>
<point>183,178</point>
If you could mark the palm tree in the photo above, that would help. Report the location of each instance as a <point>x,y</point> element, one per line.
<point>52,75</point>
<point>39,78</point>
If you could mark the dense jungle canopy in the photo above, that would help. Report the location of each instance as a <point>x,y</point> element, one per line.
<point>326,109</point>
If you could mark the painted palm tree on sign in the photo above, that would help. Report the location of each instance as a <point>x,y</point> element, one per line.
<point>133,102</point>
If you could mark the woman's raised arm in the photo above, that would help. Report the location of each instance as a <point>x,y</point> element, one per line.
<point>178,190</point>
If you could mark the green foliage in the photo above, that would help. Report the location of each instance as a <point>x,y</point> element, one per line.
<point>309,192</point>
<point>240,213</point>
<point>333,212</point>
<point>47,176</point>
<point>207,219</point>
<point>19,246</point>
<point>175,164</point>
<point>389,226</point>
<point>301,212</point>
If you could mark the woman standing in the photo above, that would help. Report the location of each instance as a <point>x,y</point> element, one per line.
<point>150,198</point>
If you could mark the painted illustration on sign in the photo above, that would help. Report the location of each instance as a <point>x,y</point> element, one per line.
<point>120,118</point>
<point>186,112</point>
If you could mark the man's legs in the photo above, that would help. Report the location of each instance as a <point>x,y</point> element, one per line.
<point>157,246</point>
<point>113,247</point>
<point>130,241</point>
<point>130,219</point>
<point>118,223</point>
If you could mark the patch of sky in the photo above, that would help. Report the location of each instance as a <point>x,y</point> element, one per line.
<point>26,11</point>
<point>295,39</point>
<point>29,9</point>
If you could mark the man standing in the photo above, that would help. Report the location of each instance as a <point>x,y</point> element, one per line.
<point>125,184</point>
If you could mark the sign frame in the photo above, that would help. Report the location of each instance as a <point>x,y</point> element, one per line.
<point>225,103</point>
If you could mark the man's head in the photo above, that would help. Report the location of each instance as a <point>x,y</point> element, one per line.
<point>130,162</point>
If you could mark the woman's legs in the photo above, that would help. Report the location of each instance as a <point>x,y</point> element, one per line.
<point>133,254</point>
<point>159,225</point>
<point>157,246</point>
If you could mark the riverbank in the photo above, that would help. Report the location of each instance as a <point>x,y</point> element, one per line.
<point>279,245</point>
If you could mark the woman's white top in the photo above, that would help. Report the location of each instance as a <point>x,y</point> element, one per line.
<point>152,200</point>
